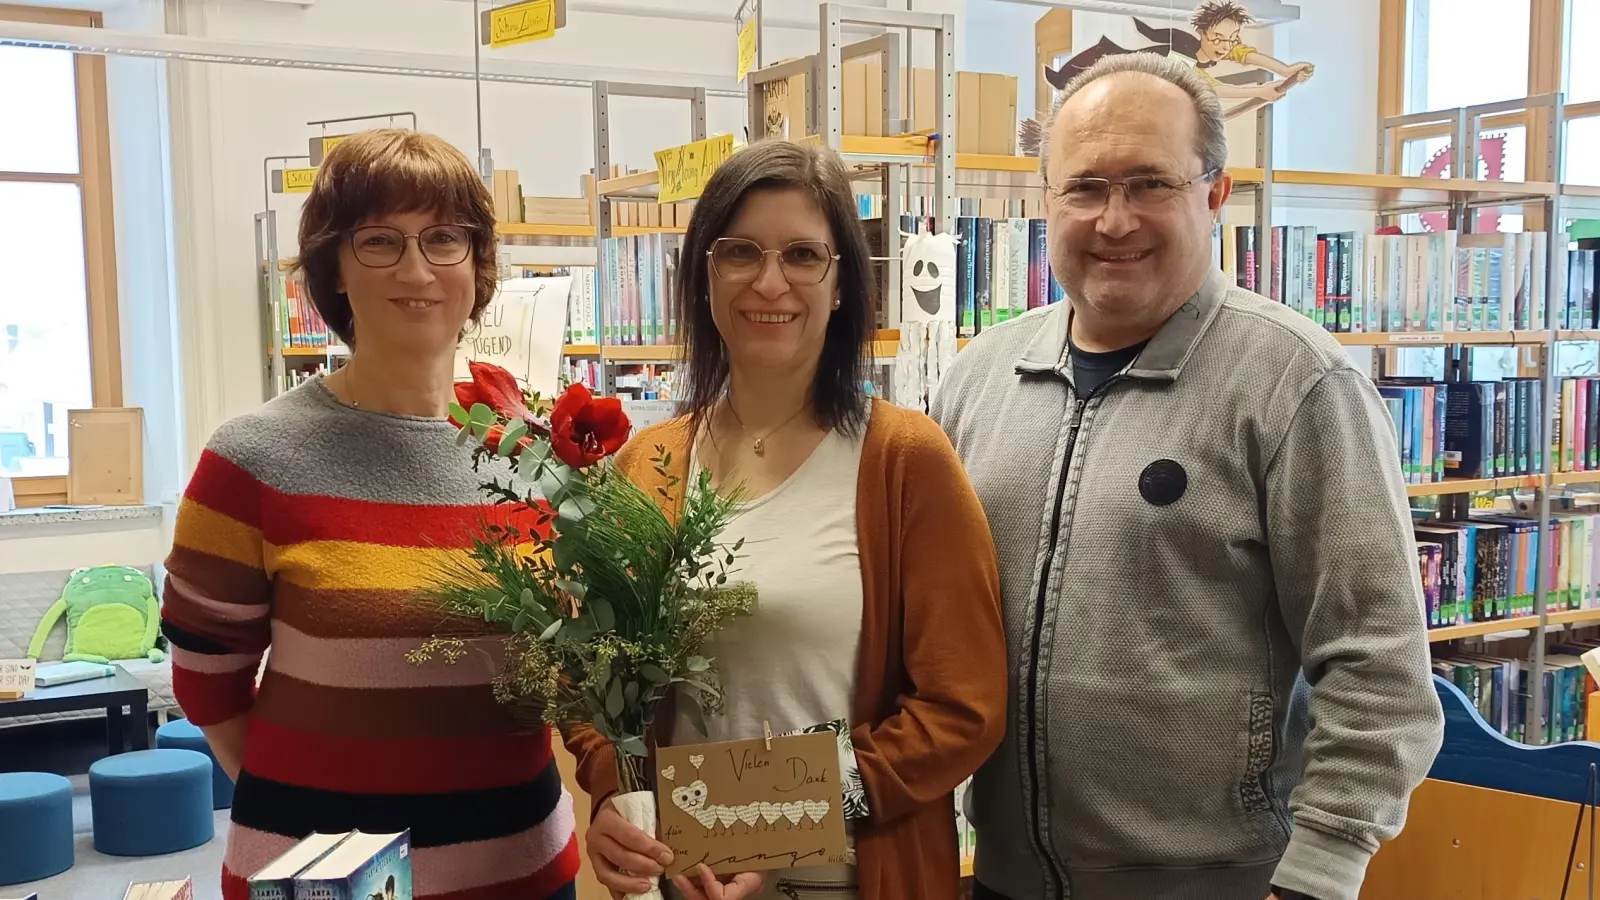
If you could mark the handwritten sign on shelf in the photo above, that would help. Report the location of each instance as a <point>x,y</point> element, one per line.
<point>747,47</point>
<point>685,169</point>
<point>738,807</point>
<point>533,20</point>
<point>298,181</point>
<point>16,677</point>
<point>520,331</point>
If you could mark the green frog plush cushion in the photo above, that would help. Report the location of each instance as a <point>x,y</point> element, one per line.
<point>111,614</point>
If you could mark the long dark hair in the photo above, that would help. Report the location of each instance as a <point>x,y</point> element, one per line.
<point>837,395</point>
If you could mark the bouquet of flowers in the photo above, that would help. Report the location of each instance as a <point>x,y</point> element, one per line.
<point>605,600</point>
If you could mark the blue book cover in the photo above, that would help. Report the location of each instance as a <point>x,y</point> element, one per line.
<point>362,867</point>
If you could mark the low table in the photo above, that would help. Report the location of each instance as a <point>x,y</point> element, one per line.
<point>110,694</point>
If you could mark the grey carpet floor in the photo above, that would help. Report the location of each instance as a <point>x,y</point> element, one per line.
<point>96,876</point>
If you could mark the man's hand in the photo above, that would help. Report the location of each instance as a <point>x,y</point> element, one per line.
<point>710,887</point>
<point>621,853</point>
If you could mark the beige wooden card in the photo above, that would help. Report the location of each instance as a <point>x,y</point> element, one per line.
<point>738,807</point>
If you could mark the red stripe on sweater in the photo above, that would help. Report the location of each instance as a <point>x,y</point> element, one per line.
<point>392,765</point>
<point>554,876</point>
<point>221,484</point>
<point>208,699</point>
<point>298,518</point>
<point>557,874</point>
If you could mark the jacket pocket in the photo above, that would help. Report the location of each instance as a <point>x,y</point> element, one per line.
<point>1175,776</point>
<point>1255,791</point>
<point>799,889</point>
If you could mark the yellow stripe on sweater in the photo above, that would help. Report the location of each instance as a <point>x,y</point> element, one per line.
<point>353,565</point>
<point>204,530</point>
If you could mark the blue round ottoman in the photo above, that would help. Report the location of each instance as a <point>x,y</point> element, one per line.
<point>181,734</point>
<point>151,802</point>
<point>35,826</point>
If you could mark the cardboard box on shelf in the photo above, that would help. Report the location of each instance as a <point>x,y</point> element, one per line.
<point>997,119</point>
<point>969,119</point>
<point>853,97</point>
<point>555,210</point>
<point>507,189</point>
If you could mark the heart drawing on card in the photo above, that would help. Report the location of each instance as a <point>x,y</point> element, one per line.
<point>771,812</point>
<point>816,809</point>
<point>727,815</point>
<point>697,761</point>
<point>669,772</point>
<point>749,814</point>
<point>794,812</point>
<point>706,817</point>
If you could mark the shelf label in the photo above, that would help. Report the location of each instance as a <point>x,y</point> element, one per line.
<point>686,169</point>
<point>298,181</point>
<point>16,676</point>
<point>519,23</point>
<point>322,144</point>
<point>1416,338</point>
<point>747,46</point>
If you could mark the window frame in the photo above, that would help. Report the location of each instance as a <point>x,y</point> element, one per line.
<point>99,231</point>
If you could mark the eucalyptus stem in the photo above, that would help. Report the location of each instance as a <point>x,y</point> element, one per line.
<point>633,773</point>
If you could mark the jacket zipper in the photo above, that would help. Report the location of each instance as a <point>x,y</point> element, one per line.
<point>1053,878</point>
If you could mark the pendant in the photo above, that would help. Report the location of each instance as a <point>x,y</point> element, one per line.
<point>760,446</point>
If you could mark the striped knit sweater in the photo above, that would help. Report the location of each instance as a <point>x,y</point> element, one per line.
<point>304,535</point>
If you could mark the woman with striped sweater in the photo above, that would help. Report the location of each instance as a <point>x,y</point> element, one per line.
<point>306,533</point>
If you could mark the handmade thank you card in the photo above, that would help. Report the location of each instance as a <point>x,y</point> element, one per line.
<point>738,806</point>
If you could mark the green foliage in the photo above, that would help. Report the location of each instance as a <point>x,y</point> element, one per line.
<point>608,614</point>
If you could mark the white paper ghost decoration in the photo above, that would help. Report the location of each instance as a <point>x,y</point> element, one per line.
<point>928,278</point>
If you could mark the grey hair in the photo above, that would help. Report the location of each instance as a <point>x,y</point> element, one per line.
<point>1213,136</point>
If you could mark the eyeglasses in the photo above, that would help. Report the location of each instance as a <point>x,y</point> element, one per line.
<point>1143,193</point>
<point>382,246</point>
<point>740,260</point>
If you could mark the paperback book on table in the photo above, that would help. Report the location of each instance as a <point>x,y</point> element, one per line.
<point>362,867</point>
<point>161,890</point>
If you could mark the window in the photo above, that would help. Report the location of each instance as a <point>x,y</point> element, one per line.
<point>1582,86</point>
<point>1466,53</point>
<point>58,327</point>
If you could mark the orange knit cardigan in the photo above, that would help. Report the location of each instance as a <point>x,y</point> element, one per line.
<point>930,689</point>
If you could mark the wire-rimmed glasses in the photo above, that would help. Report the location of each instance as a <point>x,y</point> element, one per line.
<point>740,260</point>
<point>1143,193</point>
<point>382,246</point>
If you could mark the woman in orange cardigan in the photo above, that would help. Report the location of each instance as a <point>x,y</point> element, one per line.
<point>879,590</point>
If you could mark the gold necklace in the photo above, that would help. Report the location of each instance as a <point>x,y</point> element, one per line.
<point>759,444</point>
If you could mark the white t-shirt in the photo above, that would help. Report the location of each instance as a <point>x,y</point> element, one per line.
<point>792,662</point>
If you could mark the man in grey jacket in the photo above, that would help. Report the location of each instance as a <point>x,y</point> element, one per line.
<point>1197,500</point>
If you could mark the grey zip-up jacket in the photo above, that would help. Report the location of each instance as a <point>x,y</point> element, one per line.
<point>1177,550</point>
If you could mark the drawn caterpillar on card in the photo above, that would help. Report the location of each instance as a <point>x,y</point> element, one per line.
<point>692,797</point>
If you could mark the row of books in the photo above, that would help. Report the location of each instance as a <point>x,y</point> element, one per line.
<point>302,325</point>
<point>1500,689</point>
<point>350,866</point>
<point>1473,429</point>
<point>639,276</point>
<point>1579,309</point>
<point>1483,569</point>
<point>1355,283</point>
<point>297,376</point>
<point>583,309</point>
<point>1002,271</point>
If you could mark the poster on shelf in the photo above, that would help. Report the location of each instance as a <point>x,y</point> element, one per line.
<point>521,331</point>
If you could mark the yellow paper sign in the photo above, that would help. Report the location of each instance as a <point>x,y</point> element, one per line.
<point>328,143</point>
<point>298,181</point>
<point>747,47</point>
<point>685,170</point>
<point>519,23</point>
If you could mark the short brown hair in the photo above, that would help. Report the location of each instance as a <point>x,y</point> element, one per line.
<point>382,172</point>
<point>838,394</point>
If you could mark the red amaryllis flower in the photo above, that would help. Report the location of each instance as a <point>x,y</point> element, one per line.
<point>585,430</point>
<point>497,389</point>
